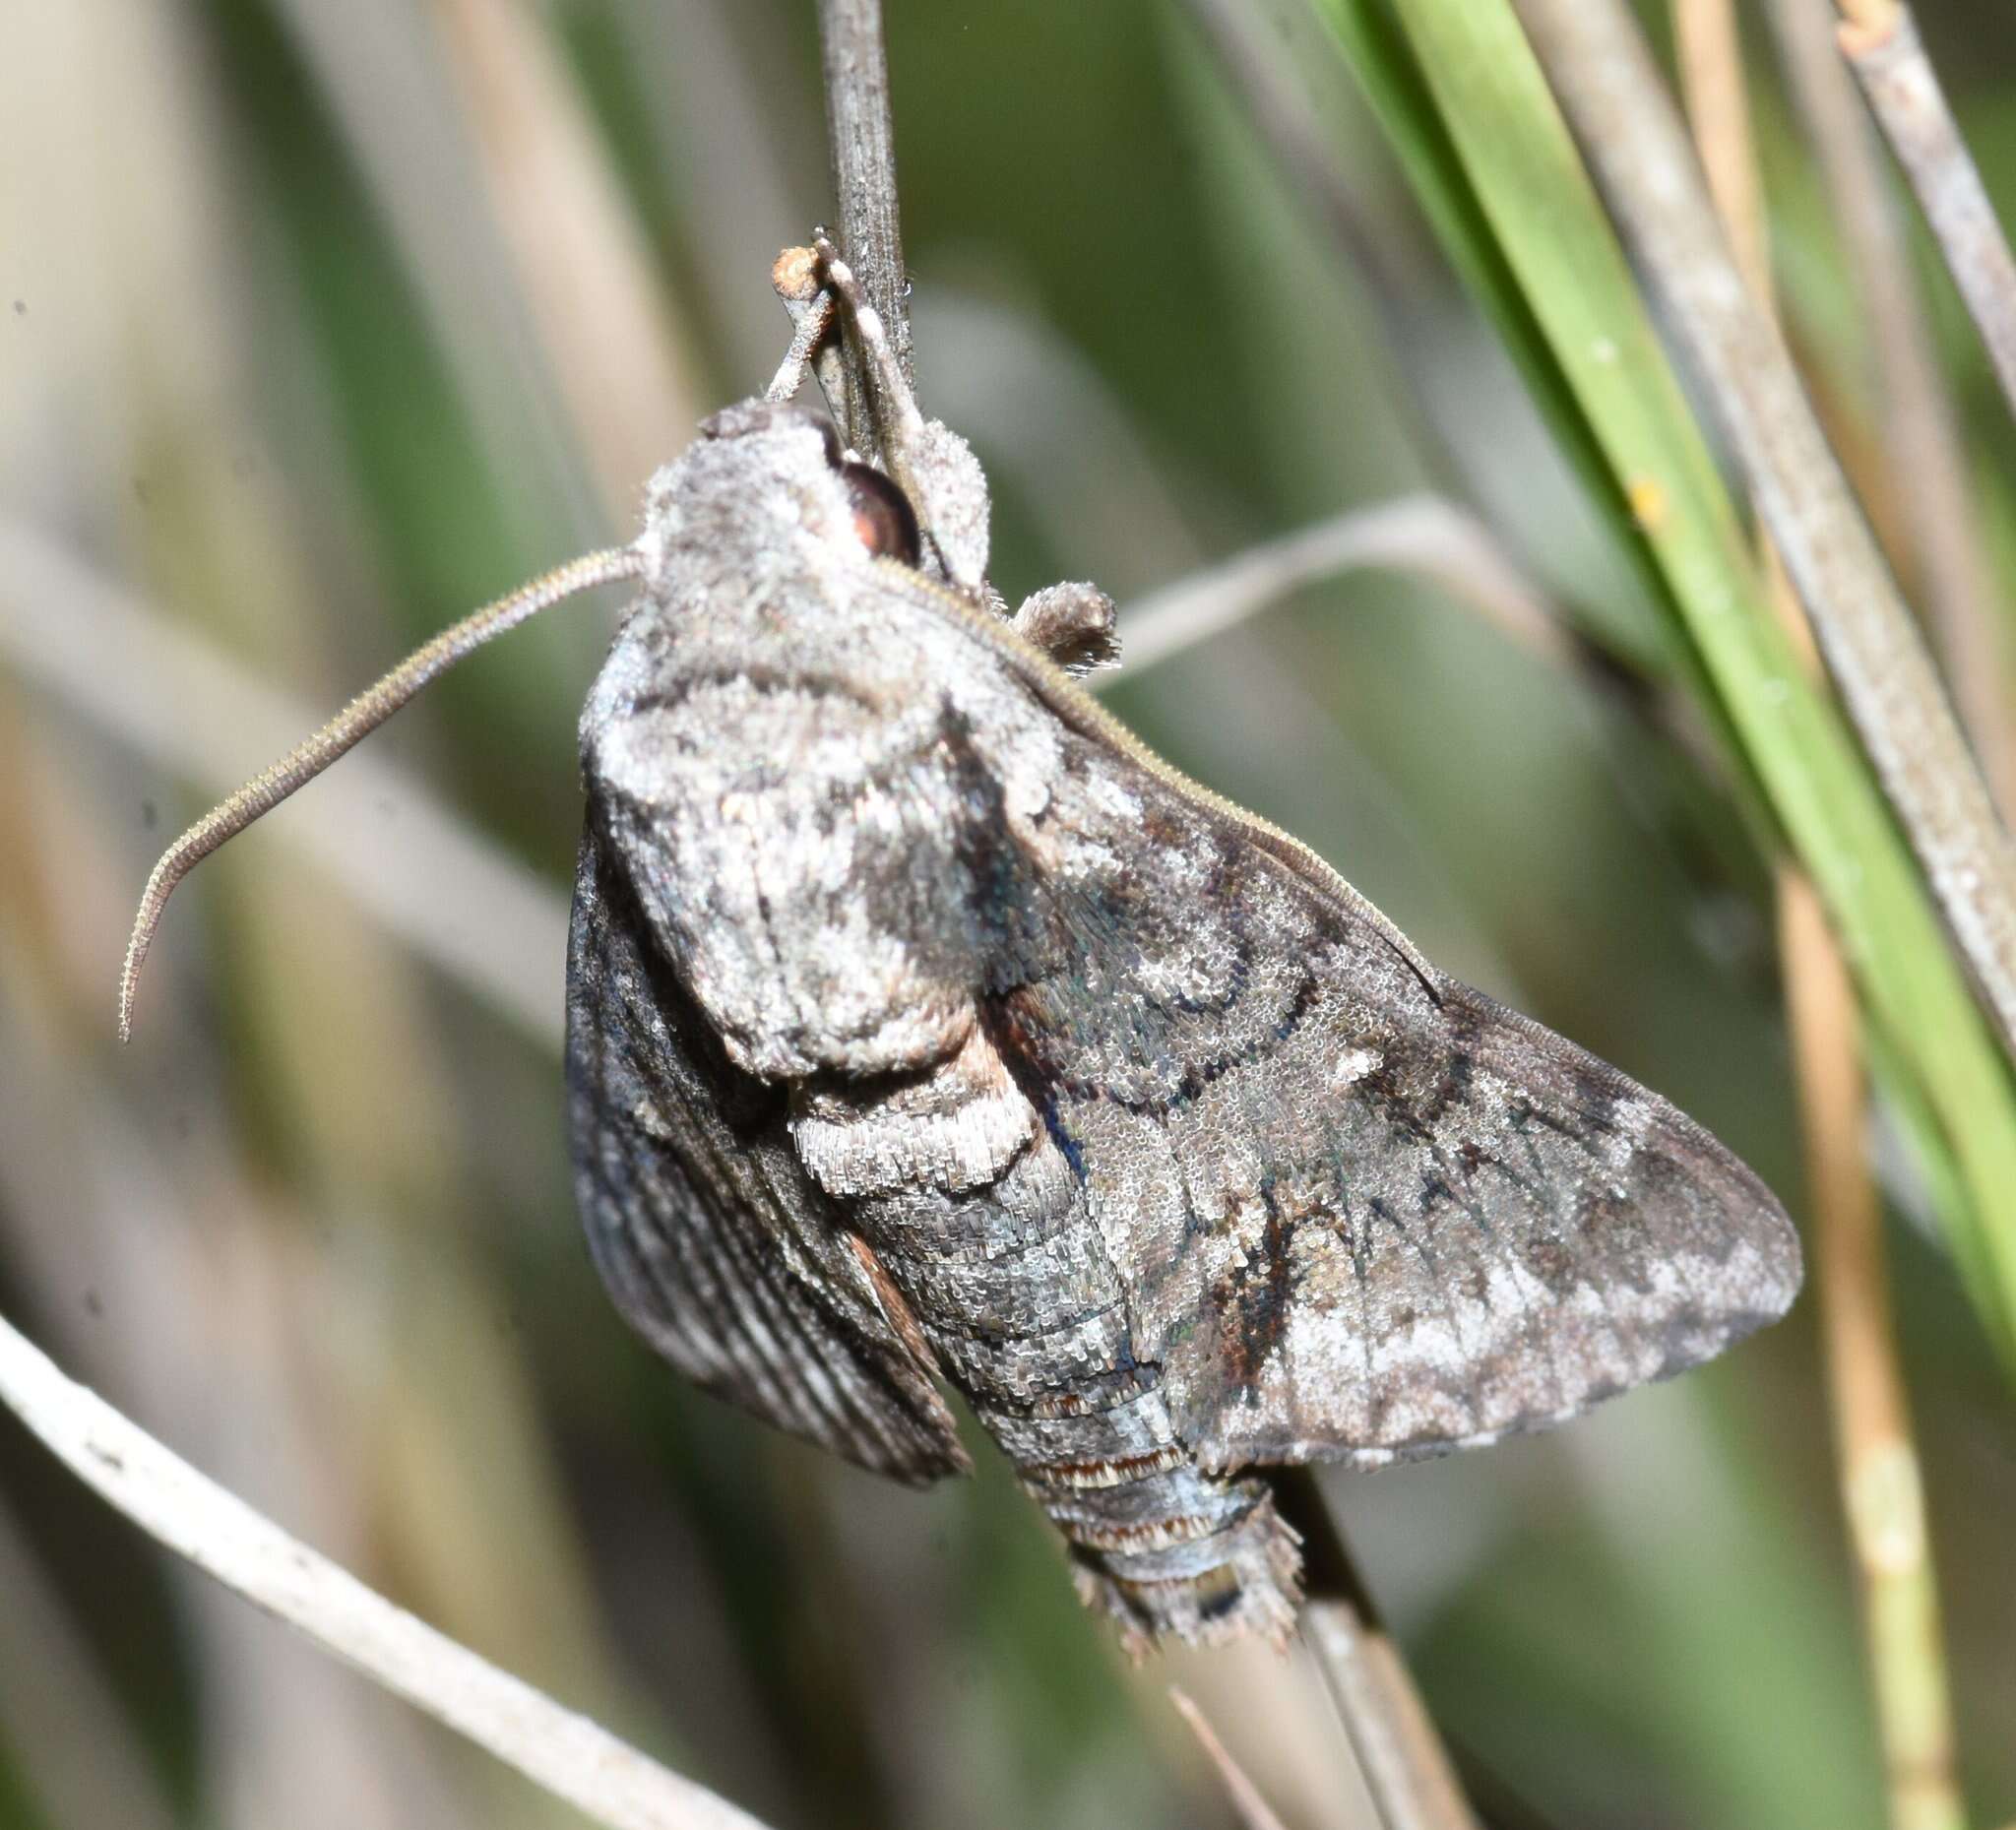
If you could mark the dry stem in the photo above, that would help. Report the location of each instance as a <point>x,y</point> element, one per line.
<point>571,1756</point>
<point>1878,1459</point>
<point>1400,1756</point>
<point>1425,534</point>
<point>1889,59</point>
<point>1248,1799</point>
<point>1927,464</point>
<point>861,138</point>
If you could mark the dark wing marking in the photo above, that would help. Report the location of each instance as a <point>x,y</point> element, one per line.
<point>1361,1211</point>
<point>713,1241</point>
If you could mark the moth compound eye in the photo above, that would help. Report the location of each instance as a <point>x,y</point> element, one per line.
<point>884,521</point>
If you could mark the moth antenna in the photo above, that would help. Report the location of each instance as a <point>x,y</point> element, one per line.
<point>894,392</point>
<point>812,308</point>
<point>363,715</point>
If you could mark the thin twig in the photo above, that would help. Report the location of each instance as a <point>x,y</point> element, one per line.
<point>1877,1458</point>
<point>1382,1716</point>
<point>571,1756</point>
<point>1249,1803</point>
<point>1924,458</point>
<point>862,137</point>
<point>1602,70</point>
<point>1400,1756</point>
<point>1421,534</point>
<point>1905,96</point>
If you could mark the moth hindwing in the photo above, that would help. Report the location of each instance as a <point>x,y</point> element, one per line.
<point>924,1026</point>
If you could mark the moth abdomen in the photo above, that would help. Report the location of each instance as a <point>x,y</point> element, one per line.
<point>1157,1542</point>
<point>1185,1555</point>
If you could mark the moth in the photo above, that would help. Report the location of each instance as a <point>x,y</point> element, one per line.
<point>927,1029</point>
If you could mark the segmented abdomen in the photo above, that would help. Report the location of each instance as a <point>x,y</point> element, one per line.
<point>1161,1546</point>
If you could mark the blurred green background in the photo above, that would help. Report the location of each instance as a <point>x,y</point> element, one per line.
<point>318,327</point>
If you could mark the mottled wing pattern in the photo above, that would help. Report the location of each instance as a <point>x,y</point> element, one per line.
<point>1362,1212</point>
<point>713,1241</point>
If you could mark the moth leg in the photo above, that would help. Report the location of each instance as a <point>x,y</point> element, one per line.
<point>812,321</point>
<point>812,308</point>
<point>1073,624</point>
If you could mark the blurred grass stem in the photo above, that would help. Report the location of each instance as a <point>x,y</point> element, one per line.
<point>1424,534</point>
<point>80,1753</point>
<point>1602,72</point>
<point>1877,1460</point>
<point>1247,1801</point>
<point>1283,119</point>
<point>569,1755</point>
<point>1316,179</point>
<point>1400,1756</point>
<point>579,256</point>
<point>385,79</point>
<point>1889,59</point>
<point>1877,1457</point>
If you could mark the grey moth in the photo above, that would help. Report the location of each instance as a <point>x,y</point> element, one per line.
<point>925,1029</point>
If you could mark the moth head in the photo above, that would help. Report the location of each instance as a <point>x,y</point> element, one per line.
<point>794,460</point>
